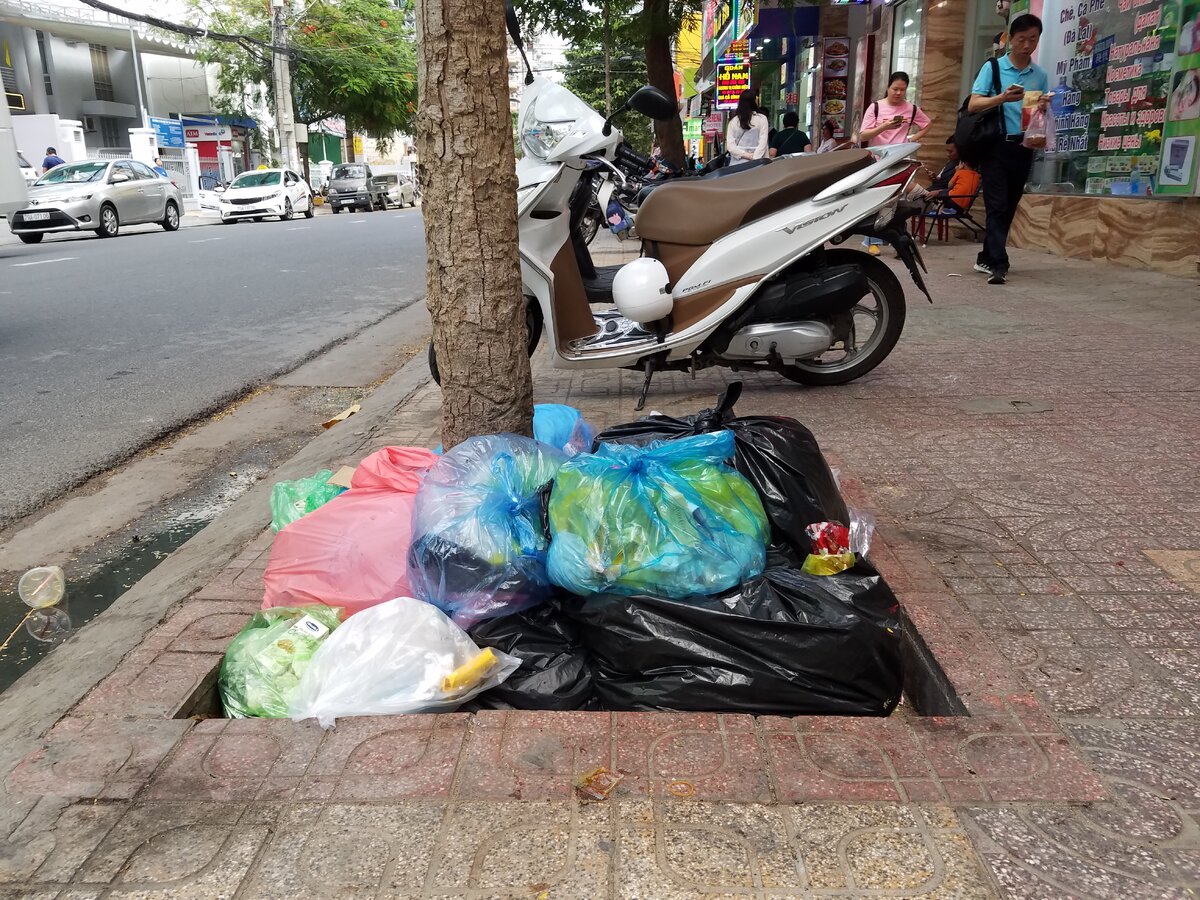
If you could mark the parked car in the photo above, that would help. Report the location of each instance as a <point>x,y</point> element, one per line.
<point>398,190</point>
<point>30,173</point>
<point>266,192</point>
<point>352,186</point>
<point>97,195</point>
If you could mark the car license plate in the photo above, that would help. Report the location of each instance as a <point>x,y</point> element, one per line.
<point>35,217</point>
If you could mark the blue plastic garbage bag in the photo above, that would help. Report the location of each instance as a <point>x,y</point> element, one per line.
<point>563,427</point>
<point>671,520</point>
<point>479,536</point>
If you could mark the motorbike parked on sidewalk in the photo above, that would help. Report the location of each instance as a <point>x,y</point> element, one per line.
<point>734,270</point>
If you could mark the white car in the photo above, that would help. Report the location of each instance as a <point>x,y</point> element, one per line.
<point>30,173</point>
<point>266,192</point>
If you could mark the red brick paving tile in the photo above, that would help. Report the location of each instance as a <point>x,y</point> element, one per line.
<point>235,762</point>
<point>148,684</point>
<point>798,780</point>
<point>199,626</point>
<point>96,759</point>
<point>391,757</point>
<point>531,755</point>
<point>714,757</point>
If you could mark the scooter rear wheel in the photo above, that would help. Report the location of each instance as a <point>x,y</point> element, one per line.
<point>533,324</point>
<point>884,305</point>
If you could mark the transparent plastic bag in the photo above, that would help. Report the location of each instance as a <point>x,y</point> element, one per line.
<point>671,519</point>
<point>402,656</point>
<point>478,539</point>
<point>263,663</point>
<point>562,427</point>
<point>1039,134</point>
<point>291,500</point>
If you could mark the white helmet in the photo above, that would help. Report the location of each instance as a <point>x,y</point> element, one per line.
<point>640,290</point>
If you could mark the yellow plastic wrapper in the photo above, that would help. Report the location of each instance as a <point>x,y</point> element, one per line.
<point>828,563</point>
<point>471,673</point>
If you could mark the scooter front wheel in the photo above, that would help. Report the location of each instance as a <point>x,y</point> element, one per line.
<point>533,325</point>
<point>882,310</point>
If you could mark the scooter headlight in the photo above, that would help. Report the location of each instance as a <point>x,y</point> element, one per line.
<point>540,138</point>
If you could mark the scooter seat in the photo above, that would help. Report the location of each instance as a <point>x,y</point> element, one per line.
<point>699,211</point>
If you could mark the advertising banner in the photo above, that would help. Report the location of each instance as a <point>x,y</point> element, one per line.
<point>1125,77</point>
<point>732,79</point>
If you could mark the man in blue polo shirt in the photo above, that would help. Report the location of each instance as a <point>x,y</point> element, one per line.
<point>1006,167</point>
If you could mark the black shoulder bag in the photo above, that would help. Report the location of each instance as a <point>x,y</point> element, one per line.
<point>977,133</point>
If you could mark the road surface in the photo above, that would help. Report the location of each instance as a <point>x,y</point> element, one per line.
<point>106,345</point>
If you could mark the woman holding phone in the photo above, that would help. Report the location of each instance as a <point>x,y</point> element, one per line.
<point>891,120</point>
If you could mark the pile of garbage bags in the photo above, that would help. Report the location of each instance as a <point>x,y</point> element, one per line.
<point>707,563</point>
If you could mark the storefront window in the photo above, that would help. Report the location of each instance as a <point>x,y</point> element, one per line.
<point>906,43</point>
<point>1126,97</point>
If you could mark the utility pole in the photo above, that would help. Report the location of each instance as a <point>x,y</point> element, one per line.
<point>282,71</point>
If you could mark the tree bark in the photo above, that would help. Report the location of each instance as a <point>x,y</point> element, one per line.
<point>473,275</point>
<point>656,18</point>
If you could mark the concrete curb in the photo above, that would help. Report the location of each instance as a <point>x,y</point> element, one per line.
<point>45,693</point>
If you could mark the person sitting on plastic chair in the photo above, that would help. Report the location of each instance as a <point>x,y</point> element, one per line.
<point>951,194</point>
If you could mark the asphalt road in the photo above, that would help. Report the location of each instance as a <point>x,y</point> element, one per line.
<point>106,345</point>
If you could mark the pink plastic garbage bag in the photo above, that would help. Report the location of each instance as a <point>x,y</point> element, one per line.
<point>353,551</point>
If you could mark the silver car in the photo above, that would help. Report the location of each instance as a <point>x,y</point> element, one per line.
<point>398,190</point>
<point>97,195</point>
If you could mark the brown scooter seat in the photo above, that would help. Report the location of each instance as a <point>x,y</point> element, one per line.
<point>701,210</point>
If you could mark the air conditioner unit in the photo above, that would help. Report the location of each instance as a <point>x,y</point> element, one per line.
<point>89,124</point>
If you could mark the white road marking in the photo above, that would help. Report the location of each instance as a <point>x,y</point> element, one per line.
<point>42,262</point>
<point>298,228</point>
<point>206,240</point>
<point>357,221</point>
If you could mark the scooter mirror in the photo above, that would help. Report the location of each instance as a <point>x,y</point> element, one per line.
<point>653,103</point>
<point>514,26</point>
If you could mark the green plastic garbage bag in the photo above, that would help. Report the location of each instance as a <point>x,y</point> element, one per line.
<point>290,500</point>
<point>264,662</point>
<point>669,520</point>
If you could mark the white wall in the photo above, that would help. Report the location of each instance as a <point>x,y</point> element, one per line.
<point>175,85</point>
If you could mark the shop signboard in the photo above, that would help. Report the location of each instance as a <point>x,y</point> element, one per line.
<point>747,17</point>
<point>1125,77</point>
<point>712,125</point>
<point>835,72</point>
<point>207,133</point>
<point>732,79</point>
<point>169,132</point>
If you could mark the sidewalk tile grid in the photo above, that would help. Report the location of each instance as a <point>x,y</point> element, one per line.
<point>1037,488</point>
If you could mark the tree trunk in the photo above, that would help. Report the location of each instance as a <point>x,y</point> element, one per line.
<point>656,17</point>
<point>473,275</point>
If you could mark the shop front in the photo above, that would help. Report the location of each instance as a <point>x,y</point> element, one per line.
<point>1123,180</point>
<point>1120,182</point>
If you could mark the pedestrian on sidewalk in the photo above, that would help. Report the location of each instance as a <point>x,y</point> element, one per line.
<point>891,120</point>
<point>1005,168</point>
<point>52,159</point>
<point>748,130</point>
<point>791,139</point>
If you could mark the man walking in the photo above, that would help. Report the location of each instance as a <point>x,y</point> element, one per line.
<point>52,159</point>
<point>1006,166</point>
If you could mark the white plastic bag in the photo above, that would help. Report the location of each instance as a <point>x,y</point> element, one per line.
<point>402,656</point>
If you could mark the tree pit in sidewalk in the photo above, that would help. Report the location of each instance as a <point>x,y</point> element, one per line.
<point>927,690</point>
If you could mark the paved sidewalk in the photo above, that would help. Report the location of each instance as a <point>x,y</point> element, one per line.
<point>1031,452</point>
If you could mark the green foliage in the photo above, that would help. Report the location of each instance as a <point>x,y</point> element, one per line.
<point>584,75</point>
<point>351,58</point>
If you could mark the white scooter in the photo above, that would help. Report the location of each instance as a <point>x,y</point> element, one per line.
<point>734,271</point>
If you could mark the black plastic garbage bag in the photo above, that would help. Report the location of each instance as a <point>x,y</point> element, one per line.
<point>554,673</point>
<point>785,643</point>
<point>778,455</point>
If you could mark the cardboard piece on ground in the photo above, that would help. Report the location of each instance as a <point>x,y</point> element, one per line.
<point>341,478</point>
<point>343,415</point>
